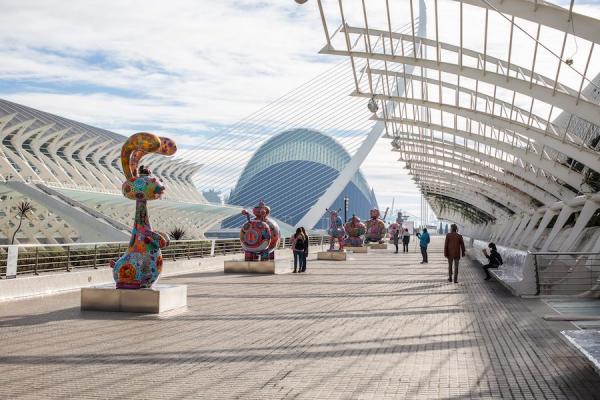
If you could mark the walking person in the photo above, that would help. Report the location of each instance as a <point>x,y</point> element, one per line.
<point>405,240</point>
<point>454,248</point>
<point>423,243</point>
<point>494,258</point>
<point>396,239</point>
<point>298,247</point>
<point>306,245</point>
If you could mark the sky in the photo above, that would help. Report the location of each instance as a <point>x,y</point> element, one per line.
<point>184,68</point>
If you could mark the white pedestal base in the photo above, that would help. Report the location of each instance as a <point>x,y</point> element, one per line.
<point>331,255</point>
<point>159,298</point>
<point>361,249</point>
<point>257,267</point>
<point>378,246</point>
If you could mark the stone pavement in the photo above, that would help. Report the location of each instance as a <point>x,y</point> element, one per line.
<point>379,326</point>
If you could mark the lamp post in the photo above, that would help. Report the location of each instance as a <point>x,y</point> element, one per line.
<point>346,201</point>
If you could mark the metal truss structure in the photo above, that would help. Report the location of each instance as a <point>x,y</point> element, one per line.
<point>497,123</point>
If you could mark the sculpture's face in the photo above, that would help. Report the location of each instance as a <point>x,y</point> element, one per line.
<point>333,216</point>
<point>355,220</point>
<point>167,146</point>
<point>143,187</point>
<point>374,213</point>
<point>261,211</point>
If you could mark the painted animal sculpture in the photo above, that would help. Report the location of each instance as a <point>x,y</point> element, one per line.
<point>141,264</point>
<point>335,230</point>
<point>259,236</point>
<point>355,230</point>
<point>393,228</point>
<point>375,228</point>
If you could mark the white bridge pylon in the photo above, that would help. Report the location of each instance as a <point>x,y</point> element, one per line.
<point>337,186</point>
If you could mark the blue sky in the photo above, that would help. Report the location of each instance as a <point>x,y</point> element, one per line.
<point>186,68</point>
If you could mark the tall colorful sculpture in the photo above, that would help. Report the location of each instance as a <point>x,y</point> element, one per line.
<point>375,228</point>
<point>355,231</point>
<point>141,264</point>
<point>335,230</point>
<point>259,236</point>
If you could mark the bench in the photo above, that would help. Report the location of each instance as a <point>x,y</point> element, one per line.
<point>507,277</point>
<point>588,344</point>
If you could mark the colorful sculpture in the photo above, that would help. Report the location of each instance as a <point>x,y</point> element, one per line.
<point>335,230</point>
<point>355,231</point>
<point>141,264</point>
<point>393,228</point>
<point>375,228</point>
<point>260,235</point>
<point>396,226</point>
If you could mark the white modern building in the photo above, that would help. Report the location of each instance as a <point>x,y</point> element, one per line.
<point>71,174</point>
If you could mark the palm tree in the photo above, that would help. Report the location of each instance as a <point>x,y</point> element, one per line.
<point>177,233</point>
<point>23,209</point>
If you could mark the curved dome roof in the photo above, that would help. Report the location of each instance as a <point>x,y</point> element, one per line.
<point>291,171</point>
<point>299,145</point>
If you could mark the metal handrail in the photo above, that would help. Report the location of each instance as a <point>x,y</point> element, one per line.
<point>36,258</point>
<point>109,243</point>
<point>566,273</point>
<point>563,253</point>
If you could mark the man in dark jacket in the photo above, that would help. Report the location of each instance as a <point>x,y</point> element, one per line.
<point>454,248</point>
<point>494,258</point>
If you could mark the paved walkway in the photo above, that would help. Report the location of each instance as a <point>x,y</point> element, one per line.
<point>376,327</point>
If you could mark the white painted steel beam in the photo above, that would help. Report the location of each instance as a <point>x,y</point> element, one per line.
<point>472,167</point>
<point>552,188</point>
<point>587,212</point>
<point>477,201</point>
<point>546,14</point>
<point>494,190</point>
<point>565,100</point>
<point>560,171</point>
<point>589,157</point>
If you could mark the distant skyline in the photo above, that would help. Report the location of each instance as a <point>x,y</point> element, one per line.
<point>187,68</point>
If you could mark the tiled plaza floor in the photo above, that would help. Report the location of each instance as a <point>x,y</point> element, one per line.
<point>380,326</point>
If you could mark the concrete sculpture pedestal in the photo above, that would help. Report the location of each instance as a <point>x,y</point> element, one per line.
<point>257,267</point>
<point>378,246</point>
<point>357,249</point>
<point>158,299</point>
<point>331,255</point>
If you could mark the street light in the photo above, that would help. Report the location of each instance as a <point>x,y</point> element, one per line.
<point>346,201</point>
<point>372,106</point>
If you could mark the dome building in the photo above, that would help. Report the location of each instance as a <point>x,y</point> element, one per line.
<point>291,171</point>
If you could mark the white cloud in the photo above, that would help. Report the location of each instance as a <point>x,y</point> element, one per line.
<point>190,65</point>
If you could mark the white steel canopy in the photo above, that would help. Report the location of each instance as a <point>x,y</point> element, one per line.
<point>494,107</point>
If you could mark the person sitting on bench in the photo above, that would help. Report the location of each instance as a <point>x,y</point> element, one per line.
<point>494,258</point>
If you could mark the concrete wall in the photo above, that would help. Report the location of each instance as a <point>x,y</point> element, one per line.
<point>50,283</point>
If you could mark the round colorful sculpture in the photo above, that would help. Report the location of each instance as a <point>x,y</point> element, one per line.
<point>375,228</point>
<point>393,228</point>
<point>141,264</point>
<point>355,231</point>
<point>335,230</point>
<point>397,226</point>
<point>259,236</point>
